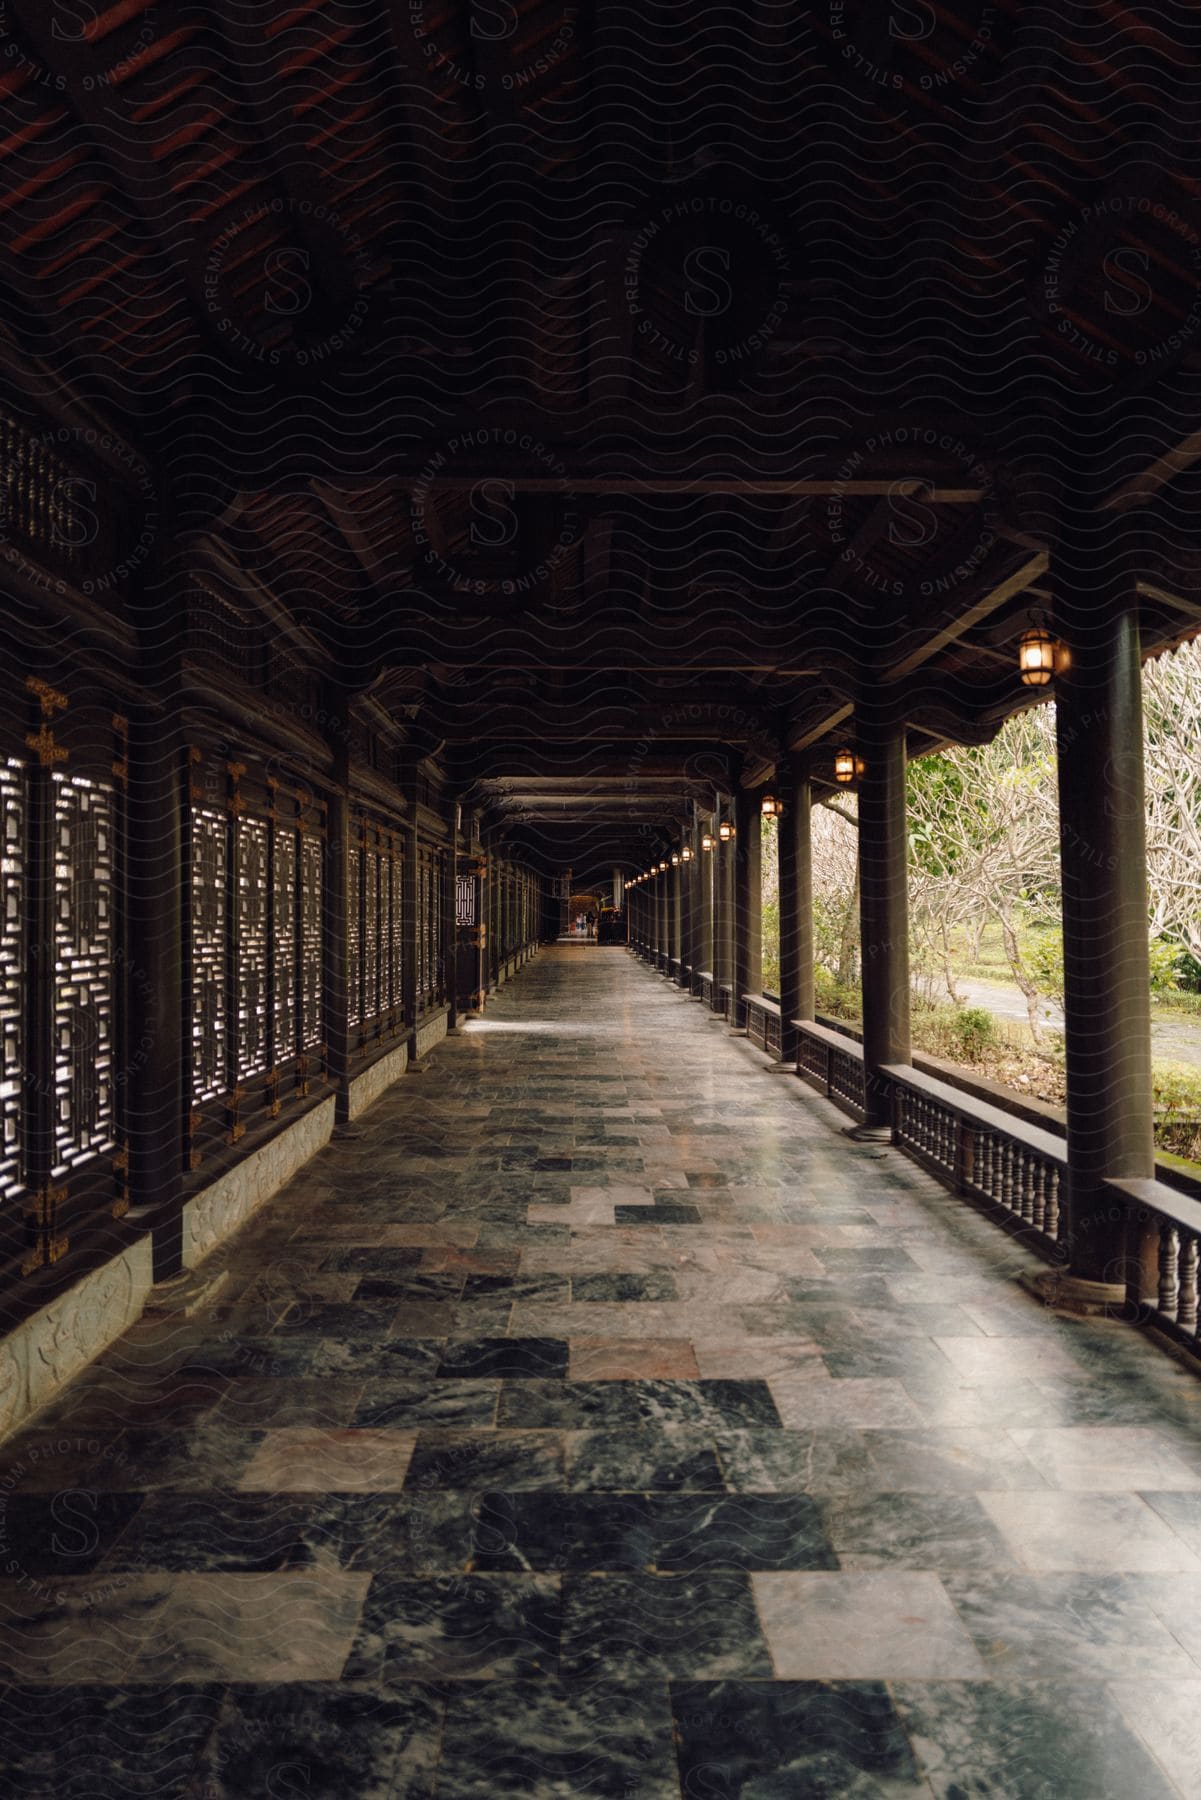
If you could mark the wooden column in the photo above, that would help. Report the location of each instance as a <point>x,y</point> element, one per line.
<point>723,909</point>
<point>158,1094</point>
<point>883,899</point>
<point>1107,1019</point>
<point>336,916</point>
<point>705,877</point>
<point>502,915</point>
<point>689,911</point>
<point>796,902</point>
<point>410,920</point>
<point>748,902</point>
<point>675,879</point>
<point>450,928</point>
<point>660,937</point>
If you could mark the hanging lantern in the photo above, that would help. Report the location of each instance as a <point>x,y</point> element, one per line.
<point>725,831</point>
<point>675,859</point>
<point>1039,656</point>
<point>708,841</point>
<point>663,867</point>
<point>846,764</point>
<point>771,808</point>
<point>686,853</point>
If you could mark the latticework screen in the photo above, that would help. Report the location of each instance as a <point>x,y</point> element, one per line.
<point>257,868</point>
<point>84,970</point>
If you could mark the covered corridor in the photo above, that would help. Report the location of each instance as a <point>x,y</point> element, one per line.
<point>467,467</point>
<point>593,1416</point>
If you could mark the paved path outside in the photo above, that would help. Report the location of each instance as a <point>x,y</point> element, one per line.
<point>1173,1039</point>
<point>594,1418</point>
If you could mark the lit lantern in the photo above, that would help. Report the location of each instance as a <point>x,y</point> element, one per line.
<point>663,868</point>
<point>771,808</point>
<point>675,859</point>
<point>1039,657</point>
<point>846,764</point>
<point>686,853</point>
<point>708,841</point>
<point>725,831</point>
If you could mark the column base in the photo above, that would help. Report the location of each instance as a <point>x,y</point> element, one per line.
<point>868,1134</point>
<point>1070,1293</point>
<point>182,1296</point>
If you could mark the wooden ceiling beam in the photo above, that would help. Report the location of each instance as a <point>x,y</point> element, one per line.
<point>957,622</point>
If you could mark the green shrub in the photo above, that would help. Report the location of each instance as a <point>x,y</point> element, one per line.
<point>976,1031</point>
<point>1165,967</point>
<point>1177,1090</point>
<point>835,998</point>
<point>956,1033</point>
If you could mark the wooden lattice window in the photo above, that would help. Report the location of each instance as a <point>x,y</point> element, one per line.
<point>210,901</point>
<point>84,970</point>
<point>354,934</point>
<point>464,900</point>
<point>312,992</point>
<point>375,939</point>
<point>284,924</point>
<point>257,997</point>
<point>251,846</point>
<point>61,956</point>
<point>14,811</point>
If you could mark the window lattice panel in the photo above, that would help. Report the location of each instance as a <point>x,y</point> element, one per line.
<point>210,1014</point>
<point>283,902</point>
<point>251,962</point>
<point>310,942</point>
<point>83,970</point>
<point>12,972</point>
<point>398,929</point>
<point>354,960</point>
<point>423,929</point>
<point>387,868</point>
<point>371,933</point>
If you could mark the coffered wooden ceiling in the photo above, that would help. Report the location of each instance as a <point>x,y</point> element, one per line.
<point>608,390</point>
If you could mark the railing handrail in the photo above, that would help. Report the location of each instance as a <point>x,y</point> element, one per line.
<point>762,1003</point>
<point>979,1112</point>
<point>1157,1197</point>
<point>835,1040</point>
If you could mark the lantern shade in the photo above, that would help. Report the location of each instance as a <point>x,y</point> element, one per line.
<point>675,859</point>
<point>771,808</point>
<point>686,853</point>
<point>1038,657</point>
<point>708,841</point>
<point>725,831</point>
<point>844,766</point>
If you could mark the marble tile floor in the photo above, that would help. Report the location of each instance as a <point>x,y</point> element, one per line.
<point>594,1418</point>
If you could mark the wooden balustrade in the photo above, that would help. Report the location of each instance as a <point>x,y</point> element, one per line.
<point>764,1026</point>
<point>1164,1239</point>
<point>981,1151</point>
<point>833,1063</point>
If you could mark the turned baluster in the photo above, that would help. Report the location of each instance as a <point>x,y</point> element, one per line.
<point>1051,1225</point>
<point>978,1148</point>
<point>1169,1285</point>
<point>1038,1216</point>
<point>1025,1186</point>
<point>1186,1311</point>
<point>1007,1176</point>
